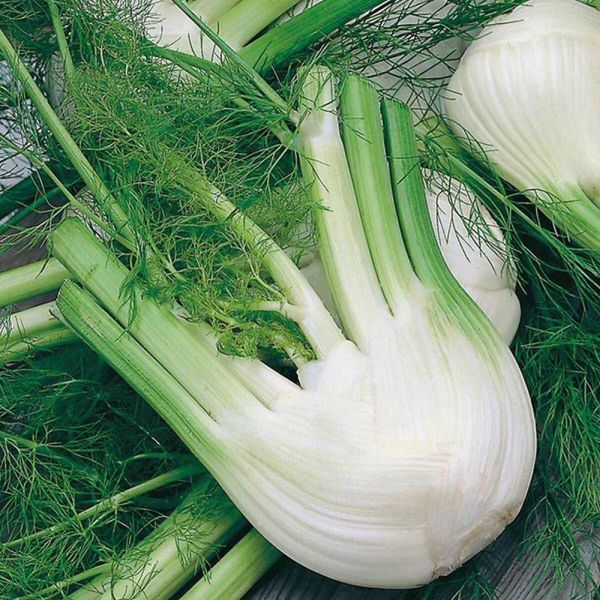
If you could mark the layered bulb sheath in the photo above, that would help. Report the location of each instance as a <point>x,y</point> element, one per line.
<point>391,467</point>
<point>410,445</point>
<point>408,442</point>
<point>527,94</point>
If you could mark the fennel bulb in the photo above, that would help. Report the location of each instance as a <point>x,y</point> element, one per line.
<point>528,92</point>
<point>408,443</point>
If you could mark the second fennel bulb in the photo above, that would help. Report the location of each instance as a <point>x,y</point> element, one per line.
<point>527,91</point>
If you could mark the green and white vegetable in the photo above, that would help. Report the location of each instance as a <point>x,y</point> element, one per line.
<point>408,443</point>
<point>527,91</point>
<point>471,242</point>
<point>237,21</point>
<point>386,466</point>
<point>474,249</point>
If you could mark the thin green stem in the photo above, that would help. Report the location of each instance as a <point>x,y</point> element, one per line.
<point>237,571</point>
<point>17,217</point>
<point>190,359</point>
<point>248,18</point>
<point>53,122</point>
<point>364,143</point>
<point>110,504</point>
<point>56,337</point>
<point>281,44</point>
<point>25,191</point>
<point>30,281</point>
<point>342,243</point>
<point>187,62</point>
<point>61,39</point>
<point>193,65</point>
<point>40,163</point>
<point>59,587</point>
<point>47,451</point>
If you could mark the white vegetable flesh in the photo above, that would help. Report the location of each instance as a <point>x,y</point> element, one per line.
<point>527,90</point>
<point>409,445</point>
<point>409,442</point>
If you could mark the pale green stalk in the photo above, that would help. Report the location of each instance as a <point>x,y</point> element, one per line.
<point>211,10</point>
<point>30,281</point>
<point>343,245</point>
<point>191,361</point>
<point>237,571</point>
<point>365,149</point>
<point>160,565</point>
<point>141,370</point>
<point>316,322</point>
<point>61,40</point>
<point>45,340</point>
<point>29,322</point>
<point>417,229</point>
<point>409,190</point>
<point>248,18</point>
<point>52,590</point>
<point>32,330</point>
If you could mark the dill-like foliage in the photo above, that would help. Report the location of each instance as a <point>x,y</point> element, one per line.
<point>408,47</point>
<point>164,143</point>
<point>27,23</point>
<point>72,435</point>
<point>559,351</point>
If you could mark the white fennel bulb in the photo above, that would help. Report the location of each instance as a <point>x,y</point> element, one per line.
<point>408,443</point>
<point>527,90</point>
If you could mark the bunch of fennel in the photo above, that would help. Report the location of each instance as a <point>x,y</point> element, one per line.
<point>433,294</point>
